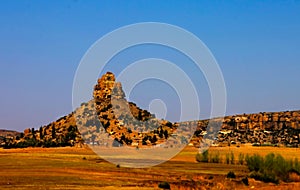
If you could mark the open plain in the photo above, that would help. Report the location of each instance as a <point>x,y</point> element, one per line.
<point>81,168</point>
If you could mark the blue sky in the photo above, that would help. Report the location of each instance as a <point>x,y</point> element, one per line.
<point>256,44</point>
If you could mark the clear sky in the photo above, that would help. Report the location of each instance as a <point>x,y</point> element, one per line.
<point>256,43</point>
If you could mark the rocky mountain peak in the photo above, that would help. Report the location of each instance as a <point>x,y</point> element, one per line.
<point>107,86</point>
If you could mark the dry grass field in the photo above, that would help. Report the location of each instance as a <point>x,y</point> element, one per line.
<point>80,168</point>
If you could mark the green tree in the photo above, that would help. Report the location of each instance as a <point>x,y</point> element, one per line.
<point>161,133</point>
<point>106,125</point>
<point>203,157</point>
<point>53,132</point>
<point>140,117</point>
<point>41,132</point>
<point>166,134</point>
<point>154,139</point>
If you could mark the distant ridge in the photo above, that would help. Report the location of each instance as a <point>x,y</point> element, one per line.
<point>6,133</point>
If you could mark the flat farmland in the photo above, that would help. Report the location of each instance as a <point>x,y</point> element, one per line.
<point>81,168</point>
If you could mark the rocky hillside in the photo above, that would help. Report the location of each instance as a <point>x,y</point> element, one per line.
<point>7,134</point>
<point>123,121</point>
<point>265,128</point>
<point>110,113</point>
<point>62,132</point>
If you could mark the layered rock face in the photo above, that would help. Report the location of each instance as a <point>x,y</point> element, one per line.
<point>265,128</point>
<point>264,121</point>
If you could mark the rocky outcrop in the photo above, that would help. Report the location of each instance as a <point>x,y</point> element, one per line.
<point>123,121</point>
<point>7,134</point>
<point>62,132</point>
<point>263,121</point>
<point>265,128</point>
<point>110,114</point>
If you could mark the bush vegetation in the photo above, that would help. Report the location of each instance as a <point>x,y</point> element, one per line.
<point>241,158</point>
<point>227,159</point>
<point>231,158</point>
<point>164,185</point>
<point>216,158</point>
<point>203,157</point>
<point>209,157</point>
<point>271,168</point>
<point>231,174</point>
<point>245,181</point>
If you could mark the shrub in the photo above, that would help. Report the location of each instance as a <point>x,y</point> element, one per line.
<point>203,157</point>
<point>231,175</point>
<point>164,185</point>
<point>254,162</point>
<point>281,167</point>
<point>272,168</point>
<point>241,158</point>
<point>227,159</point>
<point>198,157</point>
<point>232,158</point>
<point>31,142</point>
<point>269,161</point>
<point>265,177</point>
<point>297,165</point>
<point>49,143</point>
<point>245,181</point>
<point>216,158</point>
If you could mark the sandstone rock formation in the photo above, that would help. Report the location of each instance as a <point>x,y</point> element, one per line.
<point>109,115</point>
<point>126,123</point>
<point>265,128</point>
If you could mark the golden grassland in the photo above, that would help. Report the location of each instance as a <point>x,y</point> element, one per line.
<point>81,168</point>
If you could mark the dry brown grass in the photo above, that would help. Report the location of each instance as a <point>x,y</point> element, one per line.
<point>66,168</point>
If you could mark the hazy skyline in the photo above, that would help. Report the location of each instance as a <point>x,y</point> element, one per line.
<point>255,43</point>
